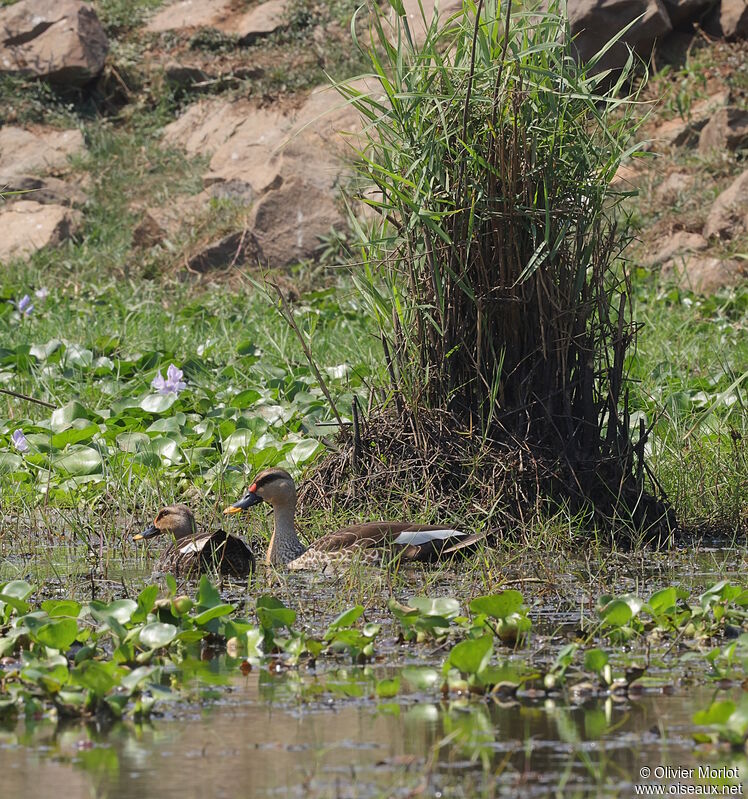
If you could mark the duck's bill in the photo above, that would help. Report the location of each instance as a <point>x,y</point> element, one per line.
<point>149,532</point>
<point>245,502</point>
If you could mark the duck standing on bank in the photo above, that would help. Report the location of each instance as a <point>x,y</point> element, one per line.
<point>193,552</point>
<point>368,542</point>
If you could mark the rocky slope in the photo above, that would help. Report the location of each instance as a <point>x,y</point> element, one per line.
<point>233,93</point>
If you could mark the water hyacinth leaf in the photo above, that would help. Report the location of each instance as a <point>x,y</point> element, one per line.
<point>16,589</point>
<point>470,656</point>
<point>51,675</point>
<point>207,594</point>
<point>446,607</point>
<point>595,660</point>
<point>237,441</point>
<point>272,613</point>
<point>63,417</point>
<point>498,606</point>
<point>617,613</point>
<point>77,356</point>
<point>78,461</point>
<point>304,451</point>
<point>10,462</point>
<point>146,601</point>
<point>157,634</point>
<point>387,688</point>
<point>345,619</point>
<point>98,677</point>
<point>74,435</point>
<point>245,399</point>
<point>157,403</point>
<point>61,607</point>
<point>57,634</point>
<point>716,713</point>
<point>137,677</point>
<point>213,613</point>
<point>44,351</point>
<point>423,678</point>
<point>121,609</point>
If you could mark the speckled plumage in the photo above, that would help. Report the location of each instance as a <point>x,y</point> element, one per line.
<point>192,552</point>
<point>370,542</point>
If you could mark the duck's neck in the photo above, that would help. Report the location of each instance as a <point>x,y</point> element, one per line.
<point>284,545</point>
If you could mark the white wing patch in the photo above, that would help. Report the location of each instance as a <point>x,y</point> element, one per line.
<point>194,546</point>
<point>416,537</point>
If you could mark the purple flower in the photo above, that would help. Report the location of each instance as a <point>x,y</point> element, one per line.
<point>24,306</point>
<point>19,441</point>
<point>41,293</point>
<point>173,383</point>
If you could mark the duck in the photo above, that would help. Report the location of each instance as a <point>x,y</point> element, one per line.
<point>196,552</point>
<point>370,542</point>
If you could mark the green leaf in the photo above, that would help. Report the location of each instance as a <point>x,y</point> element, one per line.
<point>58,634</point>
<point>98,677</point>
<point>345,619</point>
<point>716,713</point>
<point>158,403</point>
<point>63,417</point>
<point>617,613</point>
<point>388,688</point>
<point>157,634</point>
<point>61,607</point>
<point>595,660</point>
<point>424,678</point>
<point>272,613</point>
<point>207,594</point>
<point>498,606</point>
<point>470,656</point>
<point>78,461</point>
<point>213,613</point>
<point>443,606</point>
<point>73,435</point>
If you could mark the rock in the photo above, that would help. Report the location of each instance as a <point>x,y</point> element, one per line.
<point>205,126</point>
<point>189,14</point>
<point>416,22</point>
<point>230,251</point>
<point>60,40</point>
<point>675,185</point>
<point>28,226</point>
<point>23,151</point>
<point>626,177</point>
<point>261,21</point>
<point>726,130</point>
<point>681,11</point>
<point>166,220</point>
<point>681,132</point>
<point>705,274</point>
<point>728,19</point>
<point>48,191</point>
<point>676,244</point>
<point>729,214</point>
<point>148,232</point>
<point>593,22</point>
<point>183,76</point>
<point>287,222</point>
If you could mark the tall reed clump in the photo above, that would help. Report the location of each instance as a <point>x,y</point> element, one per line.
<point>494,273</point>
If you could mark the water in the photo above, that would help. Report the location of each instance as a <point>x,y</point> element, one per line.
<point>325,734</point>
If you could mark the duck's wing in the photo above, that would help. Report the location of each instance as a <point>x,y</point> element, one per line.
<point>414,541</point>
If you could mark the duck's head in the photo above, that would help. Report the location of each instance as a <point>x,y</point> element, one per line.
<point>178,520</point>
<point>274,486</point>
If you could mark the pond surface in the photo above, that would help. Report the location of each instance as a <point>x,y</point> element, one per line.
<point>325,733</point>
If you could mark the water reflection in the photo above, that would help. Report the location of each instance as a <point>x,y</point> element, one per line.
<point>260,741</point>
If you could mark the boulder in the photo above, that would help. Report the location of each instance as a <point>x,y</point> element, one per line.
<point>205,126</point>
<point>48,191</point>
<point>673,188</point>
<point>594,22</point>
<point>28,226</point>
<point>676,245</point>
<point>729,214</point>
<point>23,151</point>
<point>705,274</point>
<point>235,249</point>
<point>261,21</point>
<point>726,130</point>
<point>680,132</point>
<point>189,14</point>
<point>59,40</point>
<point>728,19</point>
<point>683,11</point>
<point>288,222</point>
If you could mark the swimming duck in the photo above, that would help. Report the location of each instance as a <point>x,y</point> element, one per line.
<point>368,542</point>
<point>194,552</point>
